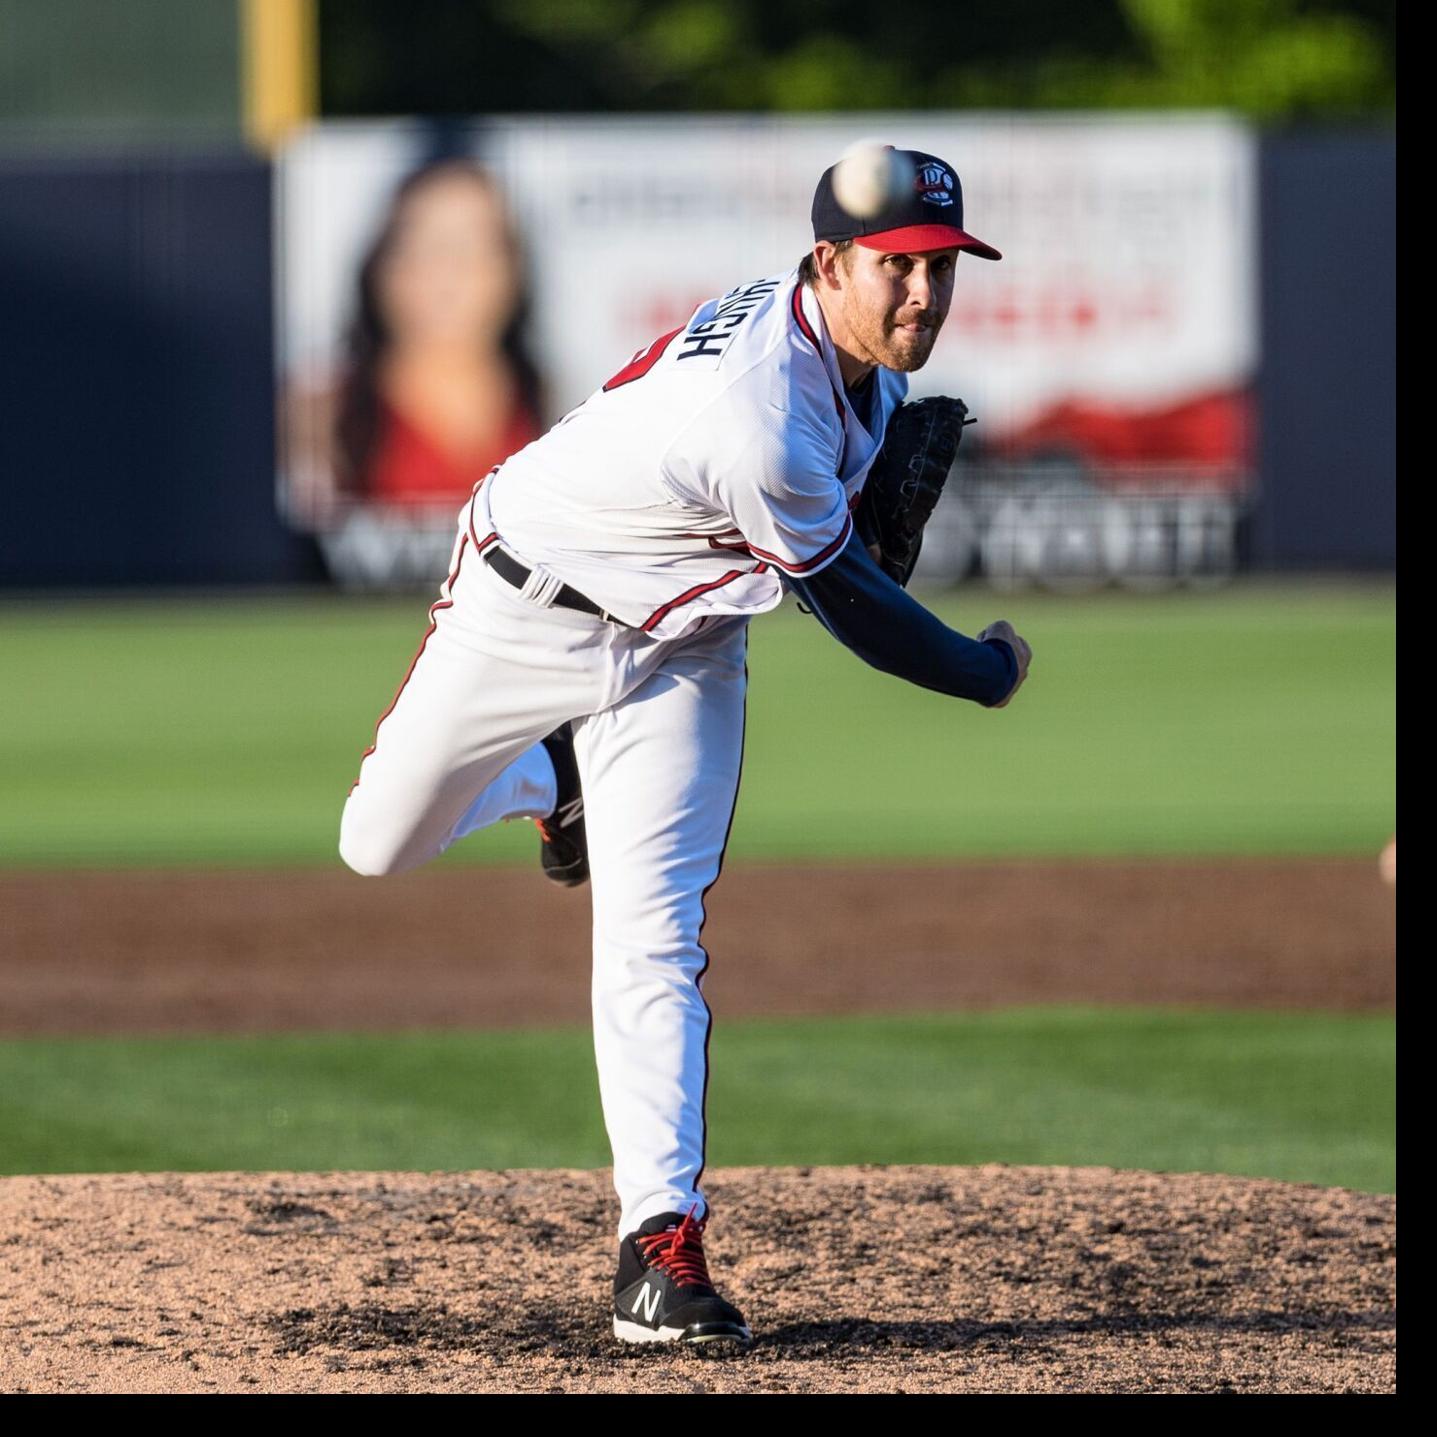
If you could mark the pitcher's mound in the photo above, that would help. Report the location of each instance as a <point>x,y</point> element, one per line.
<point>854,1279</point>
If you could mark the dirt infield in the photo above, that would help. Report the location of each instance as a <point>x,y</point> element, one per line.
<point>864,1279</point>
<point>854,1279</point>
<point>139,952</point>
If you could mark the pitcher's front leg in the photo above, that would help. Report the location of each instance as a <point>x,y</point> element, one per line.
<point>660,774</point>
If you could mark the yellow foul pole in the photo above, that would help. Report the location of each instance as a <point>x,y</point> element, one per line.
<point>280,80</point>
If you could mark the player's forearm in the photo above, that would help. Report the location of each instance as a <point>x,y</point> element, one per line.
<point>886,627</point>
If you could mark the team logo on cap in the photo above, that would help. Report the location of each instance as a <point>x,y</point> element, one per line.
<point>934,185</point>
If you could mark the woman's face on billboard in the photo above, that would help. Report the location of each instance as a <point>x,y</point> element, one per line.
<point>450,272</point>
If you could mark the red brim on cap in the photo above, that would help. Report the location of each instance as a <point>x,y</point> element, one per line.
<point>914,238</point>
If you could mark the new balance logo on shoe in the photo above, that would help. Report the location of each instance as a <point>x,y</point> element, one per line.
<point>648,1300</point>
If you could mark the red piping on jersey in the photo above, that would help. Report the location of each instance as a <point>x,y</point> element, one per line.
<point>818,558</point>
<point>439,603</point>
<point>711,537</point>
<point>801,319</point>
<point>480,544</point>
<point>690,594</point>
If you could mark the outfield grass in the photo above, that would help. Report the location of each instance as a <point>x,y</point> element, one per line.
<point>1303,1097</point>
<point>1252,720</point>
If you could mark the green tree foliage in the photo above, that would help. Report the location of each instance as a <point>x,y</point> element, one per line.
<point>1270,59</point>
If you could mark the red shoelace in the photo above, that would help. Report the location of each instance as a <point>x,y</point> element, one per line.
<point>543,830</point>
<point>679,1253</point>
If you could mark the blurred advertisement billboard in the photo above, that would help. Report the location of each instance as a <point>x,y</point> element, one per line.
<point>447,293</point>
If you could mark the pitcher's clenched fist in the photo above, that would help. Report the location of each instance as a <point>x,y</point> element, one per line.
<point>1002,629</point>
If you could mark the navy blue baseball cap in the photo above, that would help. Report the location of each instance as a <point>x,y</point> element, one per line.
<point>927,216</point>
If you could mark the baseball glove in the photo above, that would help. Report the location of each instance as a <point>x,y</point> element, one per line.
<point>906,479</point>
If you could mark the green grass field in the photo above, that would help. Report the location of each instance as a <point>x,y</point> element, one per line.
<point>1302,1097</point>
<point>1255,720</point>
<point>1250,720</point>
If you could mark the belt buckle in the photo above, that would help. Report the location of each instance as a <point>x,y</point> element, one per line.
<point>541,587</point>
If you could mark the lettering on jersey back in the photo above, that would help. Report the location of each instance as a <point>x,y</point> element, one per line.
<point>709,338</point>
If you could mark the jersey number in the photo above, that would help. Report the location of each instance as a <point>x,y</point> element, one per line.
<point>643,361</point>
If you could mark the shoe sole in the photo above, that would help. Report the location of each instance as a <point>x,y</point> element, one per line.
<point>567,878</point>
<point>567,874</point>
<point>714,1334</point>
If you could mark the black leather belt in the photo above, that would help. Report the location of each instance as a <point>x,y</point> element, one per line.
<point>517,574</point>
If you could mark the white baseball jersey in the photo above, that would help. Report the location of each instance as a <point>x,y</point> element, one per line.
<point>721,452</point>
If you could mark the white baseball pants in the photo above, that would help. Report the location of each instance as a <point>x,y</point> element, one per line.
<point>659,730</point>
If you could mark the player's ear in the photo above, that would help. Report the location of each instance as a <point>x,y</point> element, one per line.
<point>825,263</point>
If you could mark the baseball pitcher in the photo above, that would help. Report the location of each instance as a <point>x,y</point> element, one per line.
<point>585,661</point>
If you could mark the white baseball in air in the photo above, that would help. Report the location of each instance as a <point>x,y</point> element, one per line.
<point>869,177</point>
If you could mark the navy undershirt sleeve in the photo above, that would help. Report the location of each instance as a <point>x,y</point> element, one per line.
<point>886,627</point>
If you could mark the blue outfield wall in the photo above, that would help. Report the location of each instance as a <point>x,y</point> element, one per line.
<point>136,357</point>
<point>1327,393</point>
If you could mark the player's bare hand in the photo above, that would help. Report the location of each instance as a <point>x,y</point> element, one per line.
<point>1002,629</point>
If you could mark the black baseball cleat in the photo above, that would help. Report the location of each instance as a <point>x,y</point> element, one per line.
<point>564,847</point>
<point>662,1291</point>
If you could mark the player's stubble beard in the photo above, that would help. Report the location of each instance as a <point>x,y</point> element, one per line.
<point>885,342</point>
